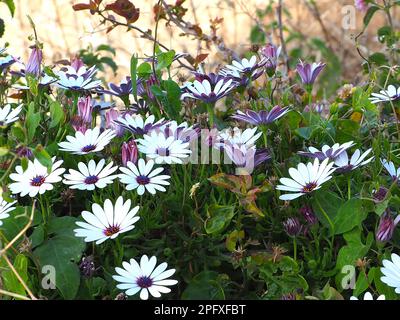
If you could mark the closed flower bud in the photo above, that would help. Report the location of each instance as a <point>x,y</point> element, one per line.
<point>386,227</point>
<point>292,226</point>
<point>85,109</point>
<point>309,215</point>
<point>380,194</point>
<point>87,267</point>
<point>33,66</point>
<point>129,152</point>
<point>111,116</point>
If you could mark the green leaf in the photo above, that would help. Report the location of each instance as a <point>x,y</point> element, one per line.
<point>219,218</point>
<point>43,157</point>
<point>378,58</point>
<point>363,281</point>
<point>204,286</point>
<point>37,236</point>
<point>328,202</point>
<point>2,27</point>
<point>110,62</point>
<point>304,132</point>
<point>349,215</point>
<point>355,249</point>
<point>62,251</point>
<point>32,121</point>
<point>10,281</point>
<point>4,151</point>
<point>134,71</point>
<point>370,13</point>
<point>18,132</point>
<point>281,277</point>
<point>56,113</point>
<point>164,59</point>
<point>173,107</point>
<point>106,47</point>
<point>144,70</point>
<point>233,238</point>
<point>33,84</point>
<point>257,36</point>
<point>11,6</point>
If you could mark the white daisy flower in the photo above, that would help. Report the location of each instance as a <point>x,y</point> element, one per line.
<point>389,166</point>
<point>238,137</point>
<point>390,94</point>
<point>344,164</point>
<point>90,141</point>
<point>35,179</point>
<point>142,177</point>
<point>327,151</point>
<point>244,65</point>
<point>135,123</point>
<point>368,296</point>
<point>391,272</point>
<point>162,149</point>
<point>108,222</point>
<point>8,116</point>
<point>305,179</point>
<point>78,80</point>
<point>91,176</point>
<point>5,208</point>
<point>146,277</point>
<point>204,91</point>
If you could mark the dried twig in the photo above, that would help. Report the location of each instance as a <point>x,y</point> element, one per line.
<point>21,233</point>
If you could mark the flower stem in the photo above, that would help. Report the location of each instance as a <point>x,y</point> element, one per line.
<point>210,110</point>
<point>294,248</point>
<point>348,188</point>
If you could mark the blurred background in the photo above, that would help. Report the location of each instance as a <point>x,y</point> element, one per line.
<point>325,25</point>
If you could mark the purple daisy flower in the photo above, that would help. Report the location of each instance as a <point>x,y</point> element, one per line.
<point>309,72</point>
<point>261,117</point>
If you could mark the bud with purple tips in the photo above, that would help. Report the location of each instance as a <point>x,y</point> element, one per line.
<point>33,66</point>
<point>129,152</point>
<point>87,267</point>
<point>386,227</point>
<point>271,52</point>
<point>85,109</point>
<point>24,152</point>
<point>292,226</point>
<point>380,194</point>
<point>309,215</point>
<point>111,116</point>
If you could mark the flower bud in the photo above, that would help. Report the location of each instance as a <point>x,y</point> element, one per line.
<point>386,227</point>
<point>129,152</point>
<point>33,66</point>
<point>309,215</point>
<point>292,226</point>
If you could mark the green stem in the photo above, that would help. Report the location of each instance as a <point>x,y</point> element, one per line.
<point>294,249</point>
<point>328,219</point>
<point>210,110</point>
<point>348,188</point>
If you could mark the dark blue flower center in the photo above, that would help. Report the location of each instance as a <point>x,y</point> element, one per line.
<point>309,187</point>
<point>144,282</point>
<point>91,179</point>
<point>111,230</point>
<point>142,180</point>
<point>38,181</point>
<point>88,148</point>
